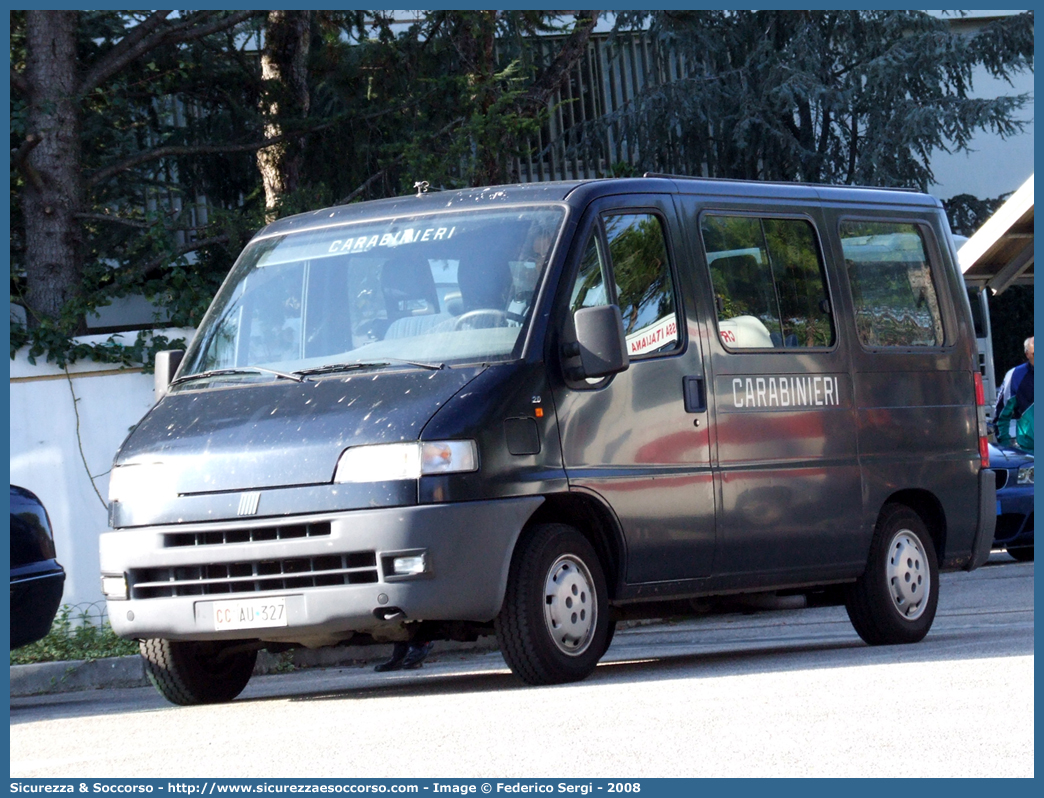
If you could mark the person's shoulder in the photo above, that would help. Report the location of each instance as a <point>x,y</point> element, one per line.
<point>1015,371</point>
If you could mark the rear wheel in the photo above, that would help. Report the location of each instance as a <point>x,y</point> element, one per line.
<point>895,599</point>
<point>554,624</point>
<point>1021,553</point>
<point>188,672</point>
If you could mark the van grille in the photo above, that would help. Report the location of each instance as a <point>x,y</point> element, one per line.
<point>354,568</point>
<point>247,535</point>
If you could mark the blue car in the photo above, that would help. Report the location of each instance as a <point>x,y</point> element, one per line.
<point>1014,470</point>
<point>37,580</point>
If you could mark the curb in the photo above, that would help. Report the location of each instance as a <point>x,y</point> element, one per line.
<point>78,674</point>
<point>68,676</point>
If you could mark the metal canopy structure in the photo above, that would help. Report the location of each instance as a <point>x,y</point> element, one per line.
<point>1000,254</point>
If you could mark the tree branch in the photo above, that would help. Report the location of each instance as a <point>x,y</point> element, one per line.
<point>191,29</point>
<point>204,149</point>
<point>150,265</point>
<point>369,181</point>
<point>19,83</point>
<point>540,93</point>
<point>113,60</point>
<point>852,148</point>
<point>26,147</point>
<point>150,34</point>
<point>104,217</point>
<point>164,152</point>
<point>20,160</point>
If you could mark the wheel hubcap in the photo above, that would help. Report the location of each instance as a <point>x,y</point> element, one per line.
<point>909,582</point>
<point>570,611</point>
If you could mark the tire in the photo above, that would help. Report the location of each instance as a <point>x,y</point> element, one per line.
<point>1021,553</point>
<point>554,625</point>
<point>895,599</point>
<point>610,633</point>
<point>187,673</point>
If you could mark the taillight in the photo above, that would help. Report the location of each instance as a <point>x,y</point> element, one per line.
<point>984,452</point>
<point>980,402</point>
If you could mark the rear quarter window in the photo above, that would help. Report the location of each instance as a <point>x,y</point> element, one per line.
<point>893,291</point>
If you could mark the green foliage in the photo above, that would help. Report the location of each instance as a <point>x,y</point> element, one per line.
<point>821,96</point>
<point>855,97</point>
<point>436,102</point>
<point>445,100</point>
<point>140,214</point>
<point>967,213</point>
<point>70,640</point>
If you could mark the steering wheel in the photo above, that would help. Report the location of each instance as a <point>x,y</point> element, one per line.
<point>467,320</point>
<point>371,328</point>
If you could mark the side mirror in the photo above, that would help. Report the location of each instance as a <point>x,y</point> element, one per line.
<point>167,363</point>
<point>600,342</point>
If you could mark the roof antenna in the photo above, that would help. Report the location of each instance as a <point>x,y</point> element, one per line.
<point>422,187</point>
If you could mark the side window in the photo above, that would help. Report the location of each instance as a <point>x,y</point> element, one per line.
<point>804,308</point>
<point>643,286</point>
<point>589,289</point>
<point>769,288</point>
<point>895,299</point>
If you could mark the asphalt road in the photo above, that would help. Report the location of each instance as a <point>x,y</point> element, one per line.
<point>785,693</point>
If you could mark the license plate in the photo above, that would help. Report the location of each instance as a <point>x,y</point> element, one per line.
<point>250,613</point>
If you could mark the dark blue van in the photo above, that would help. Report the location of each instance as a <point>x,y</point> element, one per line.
<point>533,411</point>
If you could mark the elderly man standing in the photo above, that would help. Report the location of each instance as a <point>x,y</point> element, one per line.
<point>1017,388</point>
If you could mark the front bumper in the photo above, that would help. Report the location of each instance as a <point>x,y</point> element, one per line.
<point>36,593</point>
<point>332,569</point>
<point>1014,517</point>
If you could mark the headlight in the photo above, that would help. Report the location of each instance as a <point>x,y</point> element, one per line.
<point>151,481</point>
<point>1026,475</point>
<point>394,461</point>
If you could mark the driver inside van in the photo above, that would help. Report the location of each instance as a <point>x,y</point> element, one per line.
<point>485,290</point>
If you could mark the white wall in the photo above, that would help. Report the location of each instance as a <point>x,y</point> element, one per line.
<point>46,450</point>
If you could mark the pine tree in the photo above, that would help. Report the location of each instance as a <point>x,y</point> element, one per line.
<point>850,97</point>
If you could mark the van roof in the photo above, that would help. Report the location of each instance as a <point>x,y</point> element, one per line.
<point>583,191</point>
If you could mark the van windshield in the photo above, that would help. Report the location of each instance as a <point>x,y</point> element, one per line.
<point>441,288</point>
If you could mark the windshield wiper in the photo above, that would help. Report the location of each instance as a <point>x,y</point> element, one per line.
<point>237,370</point>
<point>332,368</point>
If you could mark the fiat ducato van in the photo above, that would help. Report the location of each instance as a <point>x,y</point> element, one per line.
<point>535,411</point>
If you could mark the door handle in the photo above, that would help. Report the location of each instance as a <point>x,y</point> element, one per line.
<point>695,394</point>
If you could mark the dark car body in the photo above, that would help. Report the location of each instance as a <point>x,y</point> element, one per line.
<point>37,579</point>
<point>1014,530</point>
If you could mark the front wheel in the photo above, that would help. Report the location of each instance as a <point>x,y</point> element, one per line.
<point>187,672</point>
<point>554,624</point>
<point>895,599</point>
